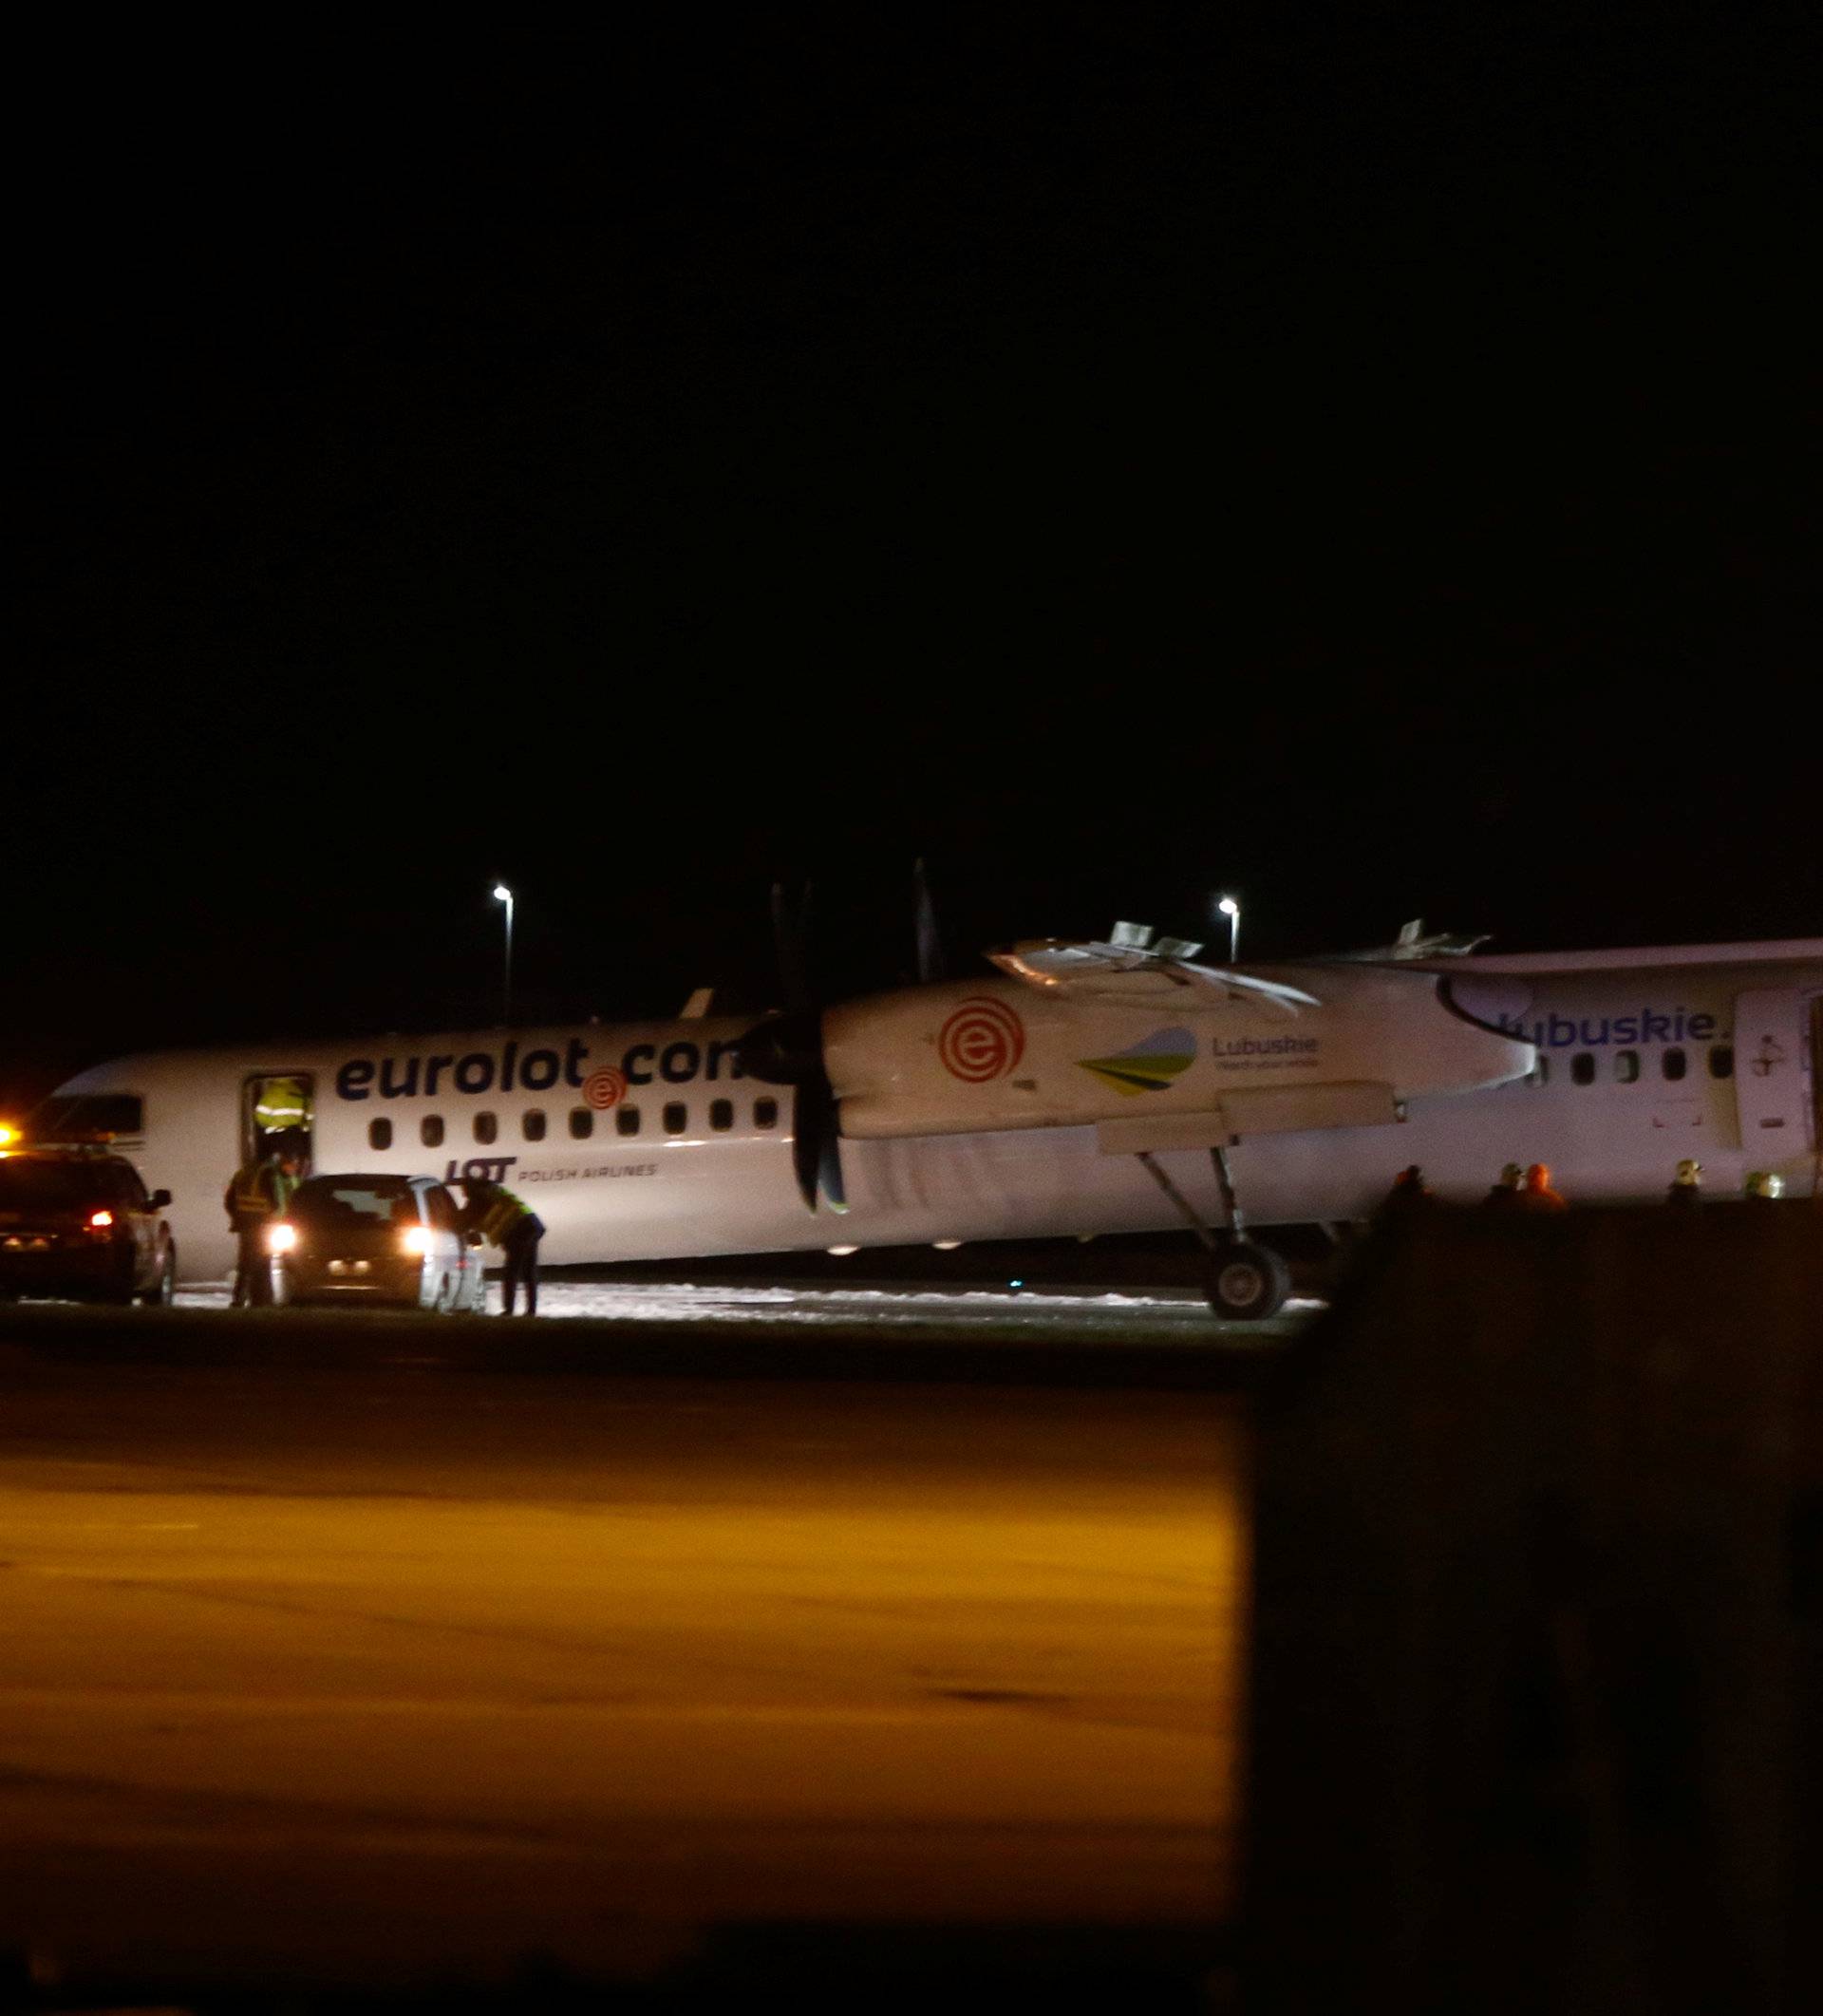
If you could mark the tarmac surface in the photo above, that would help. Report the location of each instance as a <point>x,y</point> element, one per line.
<point>440,1653</point>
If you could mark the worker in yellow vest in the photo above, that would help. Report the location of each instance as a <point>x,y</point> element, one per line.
<point>494,1217</point>
<point>256,1195</point>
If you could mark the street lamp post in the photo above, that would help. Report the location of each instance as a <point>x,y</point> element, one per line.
<point>504,894</point>
<point>1232,910</point>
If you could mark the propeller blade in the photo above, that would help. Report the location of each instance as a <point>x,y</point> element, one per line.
<point>790,929</point>
<point>806,1145</point>
<point>782,1049</point>
<point>930,959</point>
<point>787,1049</point>
<point>829,1175</point>
<point>816,1145</point>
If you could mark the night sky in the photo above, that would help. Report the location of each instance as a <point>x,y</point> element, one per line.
<point>1113,457</point>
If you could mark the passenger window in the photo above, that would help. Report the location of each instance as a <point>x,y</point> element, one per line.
<point>532,1125</point>
<point>676,1115</point>
<point>1721,1060</point>
<point>1582,1069</point>
<point>765,1113</point>
<point>486,1129</point>
<point>582,1123</point>
<point>1627,1066</point>
<point>1673,1063</point>
<point>720,1114</point>
<point>626,1120</point>
<point>431,1130</point>
<point>379,1134</point>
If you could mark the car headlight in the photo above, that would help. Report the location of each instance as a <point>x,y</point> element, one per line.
<point>280,1238</point>
<point>415,1239</point>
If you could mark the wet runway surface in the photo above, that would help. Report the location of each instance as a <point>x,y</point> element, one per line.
<point>405,1668</point>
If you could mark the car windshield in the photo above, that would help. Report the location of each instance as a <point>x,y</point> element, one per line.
<point>30,1185</point>
<point>349,1203</point>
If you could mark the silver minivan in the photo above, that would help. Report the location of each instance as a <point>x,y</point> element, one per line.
<point>395,1240</point>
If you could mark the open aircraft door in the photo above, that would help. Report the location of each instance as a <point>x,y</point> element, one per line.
<point>279,1109</point>
<point>1775,1077</point>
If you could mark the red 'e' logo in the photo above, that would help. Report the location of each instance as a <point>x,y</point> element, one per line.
<point>981,1039</point>
<point>605,1088</point>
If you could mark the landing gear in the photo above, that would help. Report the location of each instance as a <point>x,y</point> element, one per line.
<point>1243,1281</point>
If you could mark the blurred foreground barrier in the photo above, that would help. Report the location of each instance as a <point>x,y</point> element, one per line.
<point>1536,1683</point>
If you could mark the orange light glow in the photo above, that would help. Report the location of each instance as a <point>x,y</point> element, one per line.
<point>416,1238</point>
<point>99,1220</point>
<point>281,1237</point>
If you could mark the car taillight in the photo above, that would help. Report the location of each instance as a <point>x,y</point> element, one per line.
<point>99,1220</point>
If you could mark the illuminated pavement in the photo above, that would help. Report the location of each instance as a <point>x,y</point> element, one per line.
<point>1124,1315</point>
<point>395,1670</point>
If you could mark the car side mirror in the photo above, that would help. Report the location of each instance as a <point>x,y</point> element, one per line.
<point>158,1200</point>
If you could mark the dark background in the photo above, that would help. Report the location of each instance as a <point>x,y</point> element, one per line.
<point>1113,457</point>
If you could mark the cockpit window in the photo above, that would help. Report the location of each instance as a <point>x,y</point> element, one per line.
<point>85,1114</point>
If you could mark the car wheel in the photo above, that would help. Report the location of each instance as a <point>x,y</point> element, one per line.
<point>165,1290</point>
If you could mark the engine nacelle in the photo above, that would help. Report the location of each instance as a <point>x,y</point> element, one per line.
<point>1186,1067</point>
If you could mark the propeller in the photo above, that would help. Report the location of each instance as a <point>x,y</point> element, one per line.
<point>787,1049</point>
<point>924,914</point>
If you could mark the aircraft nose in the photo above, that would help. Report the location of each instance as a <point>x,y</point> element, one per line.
<point>782,1049</point>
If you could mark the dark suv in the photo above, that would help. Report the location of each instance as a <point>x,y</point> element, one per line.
<point>77,1222</point>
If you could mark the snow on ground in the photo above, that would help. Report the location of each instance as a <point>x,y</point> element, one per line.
<point>1155,1315</point>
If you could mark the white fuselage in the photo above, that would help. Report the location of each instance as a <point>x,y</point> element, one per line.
<point>707,1166</point>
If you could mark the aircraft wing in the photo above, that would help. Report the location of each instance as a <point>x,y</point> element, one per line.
<point>1091,970</point>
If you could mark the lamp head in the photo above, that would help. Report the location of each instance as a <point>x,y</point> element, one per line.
<point>502,894</point>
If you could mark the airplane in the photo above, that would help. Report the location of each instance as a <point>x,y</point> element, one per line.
<point>1090,1087</point>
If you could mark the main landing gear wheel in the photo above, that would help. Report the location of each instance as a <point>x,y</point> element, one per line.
<point>1245,1283</point>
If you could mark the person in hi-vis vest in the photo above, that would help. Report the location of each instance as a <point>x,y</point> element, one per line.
<point>257,1193</point>
<point>496,1217</point>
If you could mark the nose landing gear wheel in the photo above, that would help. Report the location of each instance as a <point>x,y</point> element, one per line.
<point>1245,1283</point>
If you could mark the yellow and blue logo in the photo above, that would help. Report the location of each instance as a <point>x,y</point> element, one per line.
<point>1150,1065</point>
